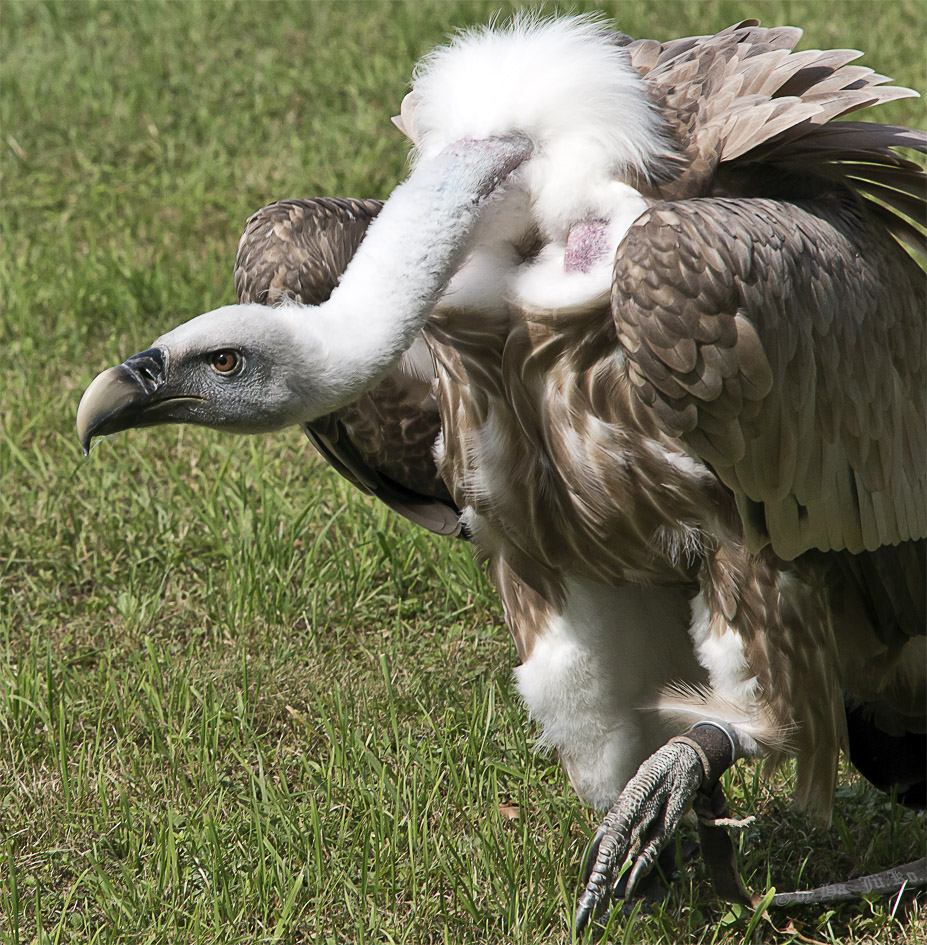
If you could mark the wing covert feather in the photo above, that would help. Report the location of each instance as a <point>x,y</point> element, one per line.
<point>297,249</point>
<point>785,343</point>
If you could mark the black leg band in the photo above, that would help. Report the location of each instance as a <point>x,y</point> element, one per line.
<point>714,746</point>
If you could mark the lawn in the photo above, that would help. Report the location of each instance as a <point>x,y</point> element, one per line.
<point>239,702</point>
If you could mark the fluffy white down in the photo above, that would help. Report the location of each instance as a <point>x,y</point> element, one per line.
<point>590,679</point>
<point>561,82</point>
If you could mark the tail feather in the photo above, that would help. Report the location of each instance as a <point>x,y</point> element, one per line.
<point>685,704</point>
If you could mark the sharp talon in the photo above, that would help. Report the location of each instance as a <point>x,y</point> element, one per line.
<point>584,912</point>
<point>640,868</point>
<point>591,854</point>
<point>638,826</point>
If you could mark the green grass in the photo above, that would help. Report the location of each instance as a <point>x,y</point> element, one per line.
<point>239,702</point>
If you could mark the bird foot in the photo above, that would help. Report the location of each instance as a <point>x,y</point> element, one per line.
<point>653,888</point>
<point>646,815</point>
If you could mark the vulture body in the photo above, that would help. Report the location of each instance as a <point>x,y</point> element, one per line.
<point>679,378</point>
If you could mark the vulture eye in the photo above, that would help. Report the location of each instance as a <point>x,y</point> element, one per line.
<point>225,361</point>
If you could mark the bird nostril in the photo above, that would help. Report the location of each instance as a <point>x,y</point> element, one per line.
<point>148,367</point>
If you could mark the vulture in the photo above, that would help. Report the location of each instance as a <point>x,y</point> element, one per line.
<point>647,326</point>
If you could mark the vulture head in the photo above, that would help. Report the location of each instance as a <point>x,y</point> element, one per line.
<point>243,368</point>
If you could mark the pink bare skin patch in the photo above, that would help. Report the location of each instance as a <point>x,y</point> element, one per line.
<point>586,244</point>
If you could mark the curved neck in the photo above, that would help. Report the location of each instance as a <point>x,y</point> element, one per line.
<point>407,258</point>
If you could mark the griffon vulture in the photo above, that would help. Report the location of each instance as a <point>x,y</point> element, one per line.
<point>677,323</point>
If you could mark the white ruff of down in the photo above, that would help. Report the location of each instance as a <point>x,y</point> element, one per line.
<point>590,679</point>
<point>561,82</point>
<point>596,136</point>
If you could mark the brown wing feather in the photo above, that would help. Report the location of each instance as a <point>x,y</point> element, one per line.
<point>740,94</point>
<point>382,443</point>
<point>785,343</point>
<point>298,249</point>
<point>783,338</point>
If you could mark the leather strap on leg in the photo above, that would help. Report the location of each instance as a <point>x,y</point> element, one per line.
<point>717,749</point>
<point>710,806</point>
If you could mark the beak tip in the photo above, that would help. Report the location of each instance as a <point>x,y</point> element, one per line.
<point>117,399</point>
<point>105,402</point>
<point>82,433</point>
<point>87,419</point>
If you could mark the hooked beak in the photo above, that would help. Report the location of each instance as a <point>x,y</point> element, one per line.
<point>123,397</point>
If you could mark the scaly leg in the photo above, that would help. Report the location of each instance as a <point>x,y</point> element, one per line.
<point>646,815</point>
